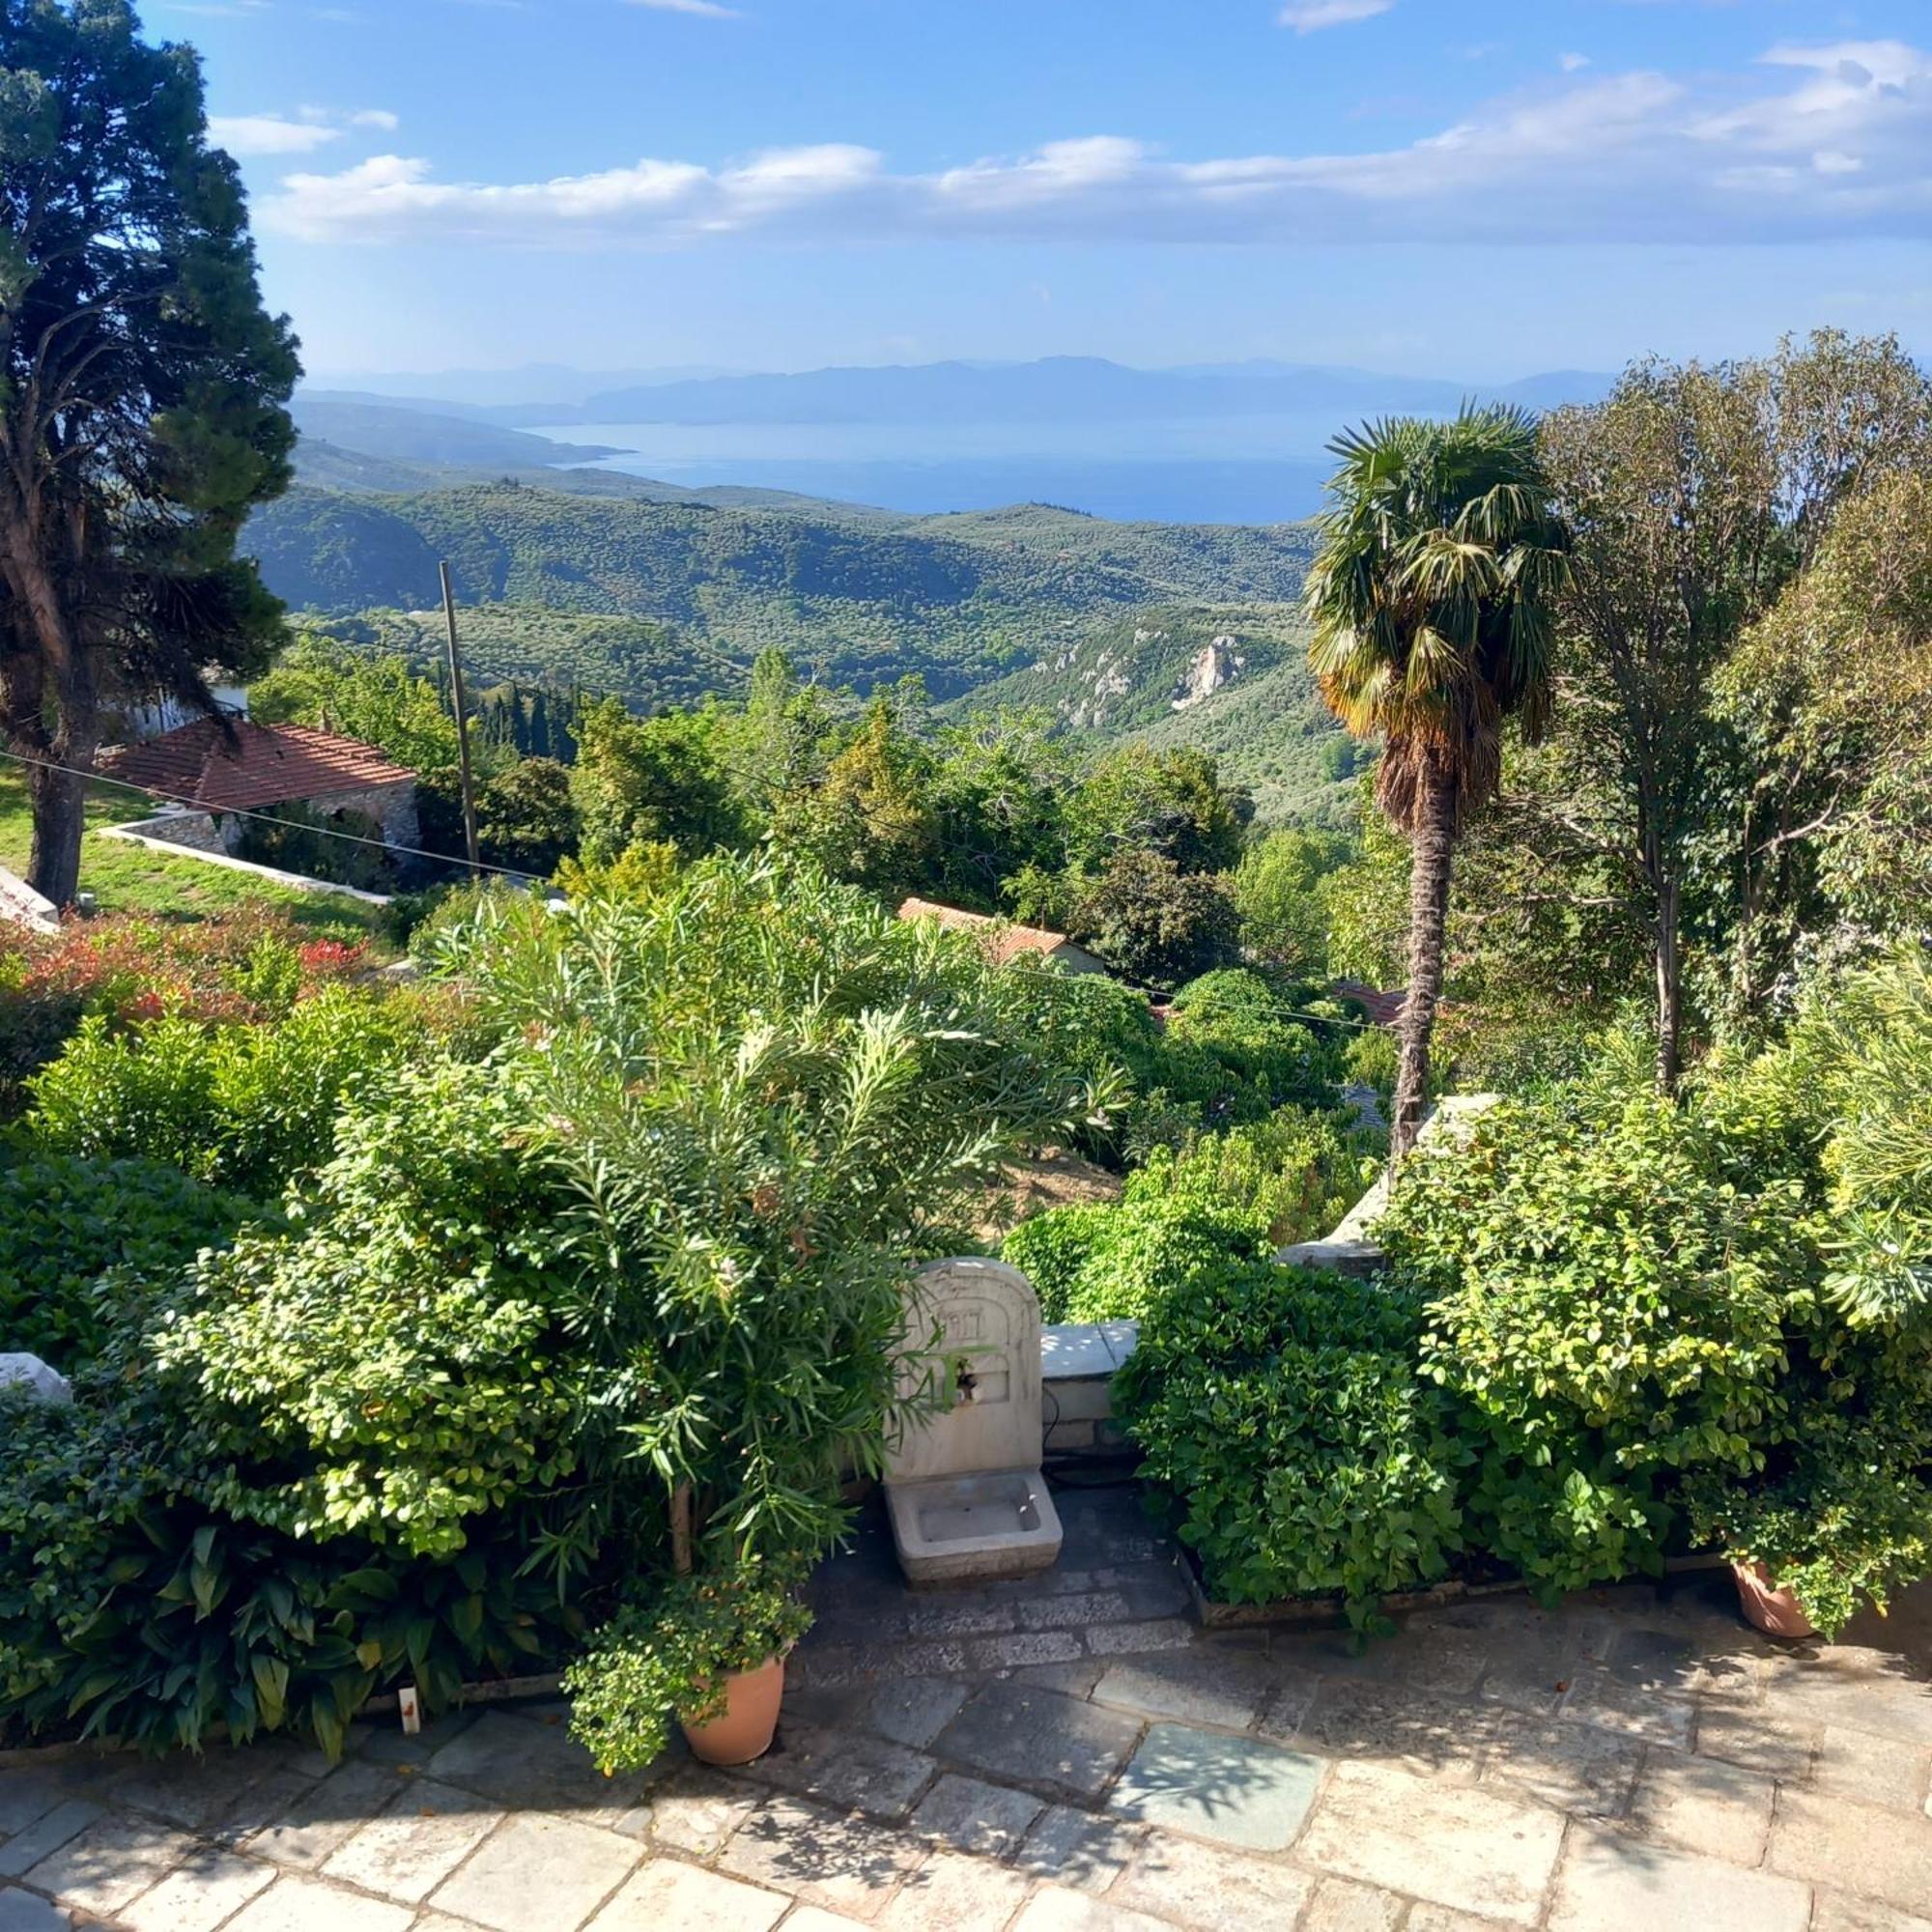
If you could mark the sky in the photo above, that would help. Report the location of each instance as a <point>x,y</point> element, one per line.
<point>1471,189</point>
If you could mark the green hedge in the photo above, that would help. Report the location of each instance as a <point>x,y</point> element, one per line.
<point>81,1239</point>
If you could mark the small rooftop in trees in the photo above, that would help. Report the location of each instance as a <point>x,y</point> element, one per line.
<point>245,765</point>
<point>1002,941</point>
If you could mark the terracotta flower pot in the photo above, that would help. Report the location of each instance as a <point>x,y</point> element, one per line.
<point>1765,1606</point>
<point>745,1726</point>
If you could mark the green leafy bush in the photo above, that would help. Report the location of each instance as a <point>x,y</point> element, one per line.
<point>1252,1027</point>
<point>1051,1249</point>
<point>394,1365</point>
<point>1298,1172</point>
<point>1116,1263</point>
<point>1284,1414</point>
<point>80,1238</point>
<point>670,1656</point>
<point>1607,1291</point>
<point>132,1606</point>
<point>244,1106</point>
<point>1842,1529</point>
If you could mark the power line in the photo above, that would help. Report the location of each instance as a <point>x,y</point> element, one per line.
<point>266,817</point>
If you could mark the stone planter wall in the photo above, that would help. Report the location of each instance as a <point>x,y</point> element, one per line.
<point>1077,1364</point>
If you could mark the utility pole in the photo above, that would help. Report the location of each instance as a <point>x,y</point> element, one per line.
<point>462,726</point>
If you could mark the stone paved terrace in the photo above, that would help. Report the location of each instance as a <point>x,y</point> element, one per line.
<point>1072,1754</point>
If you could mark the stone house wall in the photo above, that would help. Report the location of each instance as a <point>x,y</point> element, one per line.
<point>393,807</point>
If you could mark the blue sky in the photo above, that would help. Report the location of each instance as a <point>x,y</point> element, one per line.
<point>1467,188</point>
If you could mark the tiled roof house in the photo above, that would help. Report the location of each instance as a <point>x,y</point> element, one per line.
<point>1001,940</point>
<point>210,771</point>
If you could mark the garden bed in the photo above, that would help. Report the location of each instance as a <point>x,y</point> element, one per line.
<point>1326,1612</point>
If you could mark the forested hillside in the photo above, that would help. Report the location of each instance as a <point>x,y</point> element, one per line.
<point>1232,680</point>
<point>646,664</point>
<point>857,600</point>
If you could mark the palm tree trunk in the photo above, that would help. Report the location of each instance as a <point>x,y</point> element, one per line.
<point>1432,853</point>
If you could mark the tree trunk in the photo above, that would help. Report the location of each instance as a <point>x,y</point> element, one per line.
<point>1433,851</point>
<point>1669,987</point>
<point>57,785</point>
<point>60,817</point>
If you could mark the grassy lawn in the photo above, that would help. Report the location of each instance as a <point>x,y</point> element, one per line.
<point>131,878</point>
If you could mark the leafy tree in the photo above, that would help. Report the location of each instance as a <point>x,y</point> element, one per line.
<point>1000,794</point>
<point>1695,492</point>
<point>142,387</point>
<point>1431,599</point>
<point>1830,698</point>
<point>321,683</point>
<point>651,778</point>
<point>525,816</point>
<point>874,821</point>
<point>1277,891</point>
<point>1167,802</point>
<point>1154,923</point>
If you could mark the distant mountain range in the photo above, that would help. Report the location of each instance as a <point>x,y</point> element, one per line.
<point>1061,388</point>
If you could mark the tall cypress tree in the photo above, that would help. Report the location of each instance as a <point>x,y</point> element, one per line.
<point>142,392</point>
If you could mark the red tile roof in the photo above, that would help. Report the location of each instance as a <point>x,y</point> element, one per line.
<point>1001,940</point>
<point>261,764</point>
<point>1383,1008</point>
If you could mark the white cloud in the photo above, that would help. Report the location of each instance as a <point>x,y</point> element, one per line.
<point>707,10</point>
<point>249,134</point>
<point>1573,63</point>
<point>302,133</point>
<point>1813,142</point>
<point>1309,16</point>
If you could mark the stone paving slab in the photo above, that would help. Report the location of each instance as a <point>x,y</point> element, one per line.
<point>1078,1756</point>
<point>1238,1791</point>
<point>1611,1884</point>
<point>1448,1845</point>
<point>1211,1890</point>
<point>1040,1738</point>
<point>537,1871</point>
<point>199,1894</point>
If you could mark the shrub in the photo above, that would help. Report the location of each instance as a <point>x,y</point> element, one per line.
<point>1052,1248</point>
<point>1297,1172</point>
<point>248,966</point>
<point>130,1606</point>
<point>394,1365</point>
<point>1606,1284</point>
<point>80,1238</point>
<point>1251,1026</point>
<point>1843,1529</point>
<point>1131,1255</point>
<point>1283,1412</point>
<point>245,1106</point>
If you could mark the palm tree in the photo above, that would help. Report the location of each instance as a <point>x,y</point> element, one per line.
<point>1431,599</point>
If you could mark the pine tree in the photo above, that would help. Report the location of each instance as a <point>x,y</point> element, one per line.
<point>142,392</point>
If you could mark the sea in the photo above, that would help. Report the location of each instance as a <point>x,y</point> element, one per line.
<point>1258,470</point>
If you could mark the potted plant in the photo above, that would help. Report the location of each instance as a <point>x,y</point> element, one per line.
<point>706,1649</point>
<point>1811,1550</point>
